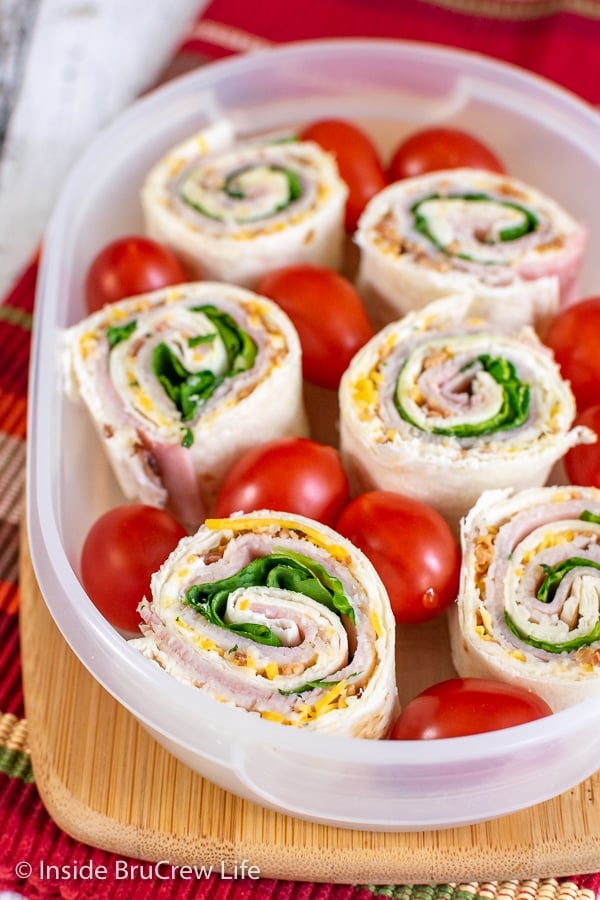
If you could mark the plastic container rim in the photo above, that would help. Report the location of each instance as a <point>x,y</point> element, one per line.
<point>98,638</point>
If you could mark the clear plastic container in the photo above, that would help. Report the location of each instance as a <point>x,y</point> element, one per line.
<point>546,137</point>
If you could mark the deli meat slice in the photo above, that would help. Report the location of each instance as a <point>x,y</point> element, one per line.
<point>528,610</point>
<point>279,616</point>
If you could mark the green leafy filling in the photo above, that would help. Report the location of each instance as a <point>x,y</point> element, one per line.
<point>188,438</point>
<point>529,222</point>
<point>553,576</point>
<point>117,333</point>
<point>512,413</point>
<point>311,685</point>
<point>189,390</point>
<point>198,339</point>
<point>233,187</point>
<point>239,346</point>
<point>282,569</point>
<point>588,516</point>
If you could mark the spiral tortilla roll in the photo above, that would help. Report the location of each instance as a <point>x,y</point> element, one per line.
<point>467,230</point>
<point>234,211</point>
<point>441,406</point>
<point>528,611</point>
<point>180,382</point>
<point>280,616</point>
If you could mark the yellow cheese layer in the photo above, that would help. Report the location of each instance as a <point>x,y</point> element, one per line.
<point>240,525</point>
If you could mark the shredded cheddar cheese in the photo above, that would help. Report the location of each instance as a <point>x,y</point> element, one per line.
<point>238,525</point>
<point>484,626</point>
<point>376,623</point>
<point>271,670</point>
<point>549,540</point>
<point>486,620</point>
<point>330,697</point>
<point>117,314</point>
<point>175,165</point>
<point>206,644</point>
<point>142,400</point>
<point>365,391</point>
<point>482,633</point>
<point>273,716</point>
<point>88,343</point>
<point>562,496</point>
<point>333,699</point>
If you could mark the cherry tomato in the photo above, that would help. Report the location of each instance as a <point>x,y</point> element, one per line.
<point>294,475</point>
<point>582,462</point>
<point>357,159</point>
<point>123,548</point>
<point>574,336</point>
<point>412,548</point>
<point>128,266</point>
<point>462,706</point>
<point>328,314</point>
<point>440,148</point>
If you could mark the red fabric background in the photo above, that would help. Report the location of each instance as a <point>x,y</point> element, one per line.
<point>563,46</point>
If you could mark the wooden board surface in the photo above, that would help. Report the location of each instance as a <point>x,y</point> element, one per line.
<point>105,781</point>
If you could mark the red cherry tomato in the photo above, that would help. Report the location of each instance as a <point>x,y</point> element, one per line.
<point>328,314</point>
<point>462,706</point>
<point>123,548</point>
<point>433,149</point>
<point>357,159</point>
<point>582,462</point>
<point>412,548</point>
<point>294,475</point>
<point>574,336</point>
<point>128,266</point>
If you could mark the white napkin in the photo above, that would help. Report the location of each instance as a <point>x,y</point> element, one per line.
<point>85,61</point>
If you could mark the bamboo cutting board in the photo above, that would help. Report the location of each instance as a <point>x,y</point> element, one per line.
<point>106,782</point>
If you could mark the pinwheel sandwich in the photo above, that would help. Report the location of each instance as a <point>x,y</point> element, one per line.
<point>443,405</point>
<point>180,382</point>
<point>235,210</point>
<point>491,235</point>
<point>528,611</point>
<point>280,616</point>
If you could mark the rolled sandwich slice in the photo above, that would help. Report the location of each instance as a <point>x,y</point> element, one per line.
<point>180,382</point>
<point>528,611</point>
<point>233,211</point>
<point>442,406</point>
<point>280,616</point>
<point>492,235</point>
